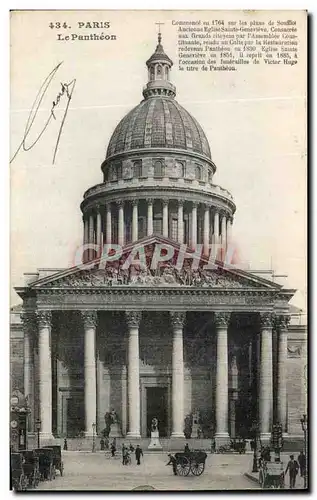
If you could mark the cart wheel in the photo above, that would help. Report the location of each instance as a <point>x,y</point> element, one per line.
<point>183,466</point>
<point>197,468</point>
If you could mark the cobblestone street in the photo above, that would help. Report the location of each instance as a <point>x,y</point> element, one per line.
<point>87,471</point>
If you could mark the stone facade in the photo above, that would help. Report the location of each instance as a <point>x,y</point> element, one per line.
<point>164,341</point>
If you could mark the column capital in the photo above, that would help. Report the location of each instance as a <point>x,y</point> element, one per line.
<point>282,321</point>
<point>108,206</point>
<point>180,203</point>
<point>120,203</point>
<point>178,319</point>
<point>44,318</point>
<point>135,202</point>
<point>149,201</point>
<point>28,318</point>
<point>222,319</point>
<point>165,203</point>
<point>133,318</point>
<point>90,318</point>
<point>195,204</point>
<point>266,319</point>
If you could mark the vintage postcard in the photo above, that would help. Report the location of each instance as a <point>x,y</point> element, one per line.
<point>158,334</point>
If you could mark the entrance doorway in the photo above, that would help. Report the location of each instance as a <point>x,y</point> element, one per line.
<point>156,406</point>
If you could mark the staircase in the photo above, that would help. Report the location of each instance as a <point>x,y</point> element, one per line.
<point>168,444</point>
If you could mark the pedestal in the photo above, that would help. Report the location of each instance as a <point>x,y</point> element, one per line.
<point>115,431</point>
<point>155,441</point>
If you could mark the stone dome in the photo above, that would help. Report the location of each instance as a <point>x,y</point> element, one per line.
<point>158,122</point>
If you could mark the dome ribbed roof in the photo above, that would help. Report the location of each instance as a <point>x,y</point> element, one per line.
<point>158,122</point>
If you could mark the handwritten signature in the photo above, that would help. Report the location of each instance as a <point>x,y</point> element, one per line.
<point>66,90</point>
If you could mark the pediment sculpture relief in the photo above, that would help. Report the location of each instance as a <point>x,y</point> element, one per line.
<point>167,275</point>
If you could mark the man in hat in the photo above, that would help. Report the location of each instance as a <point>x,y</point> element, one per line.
<point>292,467</point>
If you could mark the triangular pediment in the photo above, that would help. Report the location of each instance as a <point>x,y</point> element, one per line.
<point>155,261</point>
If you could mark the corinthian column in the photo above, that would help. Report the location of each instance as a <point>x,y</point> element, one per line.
<point>133,320</point>
<point>108,223</point>
<point>165,218</point>
<point>90,323</point>
<point>224,231</point>
<point>91,236</point>
<point>149,217</point>
<point>222,320</point>
<point>194,225</point>
<point>266,376</point>
<point>44,319</point>
<point>29,328</point>
<point>216,228</point>
<point>134,220</point>
<point>178,320</point>
<point>206,230</point>
<point>180,223</point>
<point>283,322</point>
<point>121,223</point>
<point>99,233</point>
<point>86,234</point>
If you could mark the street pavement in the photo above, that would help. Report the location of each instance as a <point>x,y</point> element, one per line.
<point>98,471</point>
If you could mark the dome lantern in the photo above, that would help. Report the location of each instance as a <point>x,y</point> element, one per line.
<point>159,66</point>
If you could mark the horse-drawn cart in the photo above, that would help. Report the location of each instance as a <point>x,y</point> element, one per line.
<point>19,480</point>
<point>193,461</point>
<point>31,467</point>
<point>46,463</point>
<point>272,475</point>
<point>57,457</point>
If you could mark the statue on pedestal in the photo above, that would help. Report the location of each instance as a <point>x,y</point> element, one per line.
<point>196,429</point>
<point>155,441</point>
<point>112,424</point>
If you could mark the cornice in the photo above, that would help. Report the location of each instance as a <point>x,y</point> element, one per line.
<point>148,151</point>
<point>163,193</point>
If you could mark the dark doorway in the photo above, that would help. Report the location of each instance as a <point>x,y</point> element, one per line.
<point>156,406</point>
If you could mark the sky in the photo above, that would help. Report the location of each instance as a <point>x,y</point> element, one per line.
<point>254,119</point>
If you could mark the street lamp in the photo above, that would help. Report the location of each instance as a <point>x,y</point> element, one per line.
<point>38,428</point>
<point>93,438</point>
<point>304,423</point>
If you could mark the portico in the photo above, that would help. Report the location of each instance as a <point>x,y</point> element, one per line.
<point>105,345</point>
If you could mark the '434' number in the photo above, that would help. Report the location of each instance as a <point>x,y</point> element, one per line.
<point>58,25</point>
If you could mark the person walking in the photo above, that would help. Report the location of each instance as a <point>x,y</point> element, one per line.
<point>113,448</point>
<point>186,449</point>
<point>292,467</point>
<point>138,454</point>
<point>173,463</point>
<point>123,453</point>
<point>302,463</point>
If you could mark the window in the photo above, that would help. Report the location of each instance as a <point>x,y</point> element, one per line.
<point>158,169</point>
<point>157,226</point>
<point>137,169</point>
<point>166,72</point>
<point>114,230</point>
<point>159,72</point>
<point>197,172</point>
<point>142,227</point>
<point>113,173</point>
<point>180,169</point>
<point>118,167</point>
<point>152,73</point>
<point>210,176</point>
<point>174,229</point>
<point>128,231</point>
